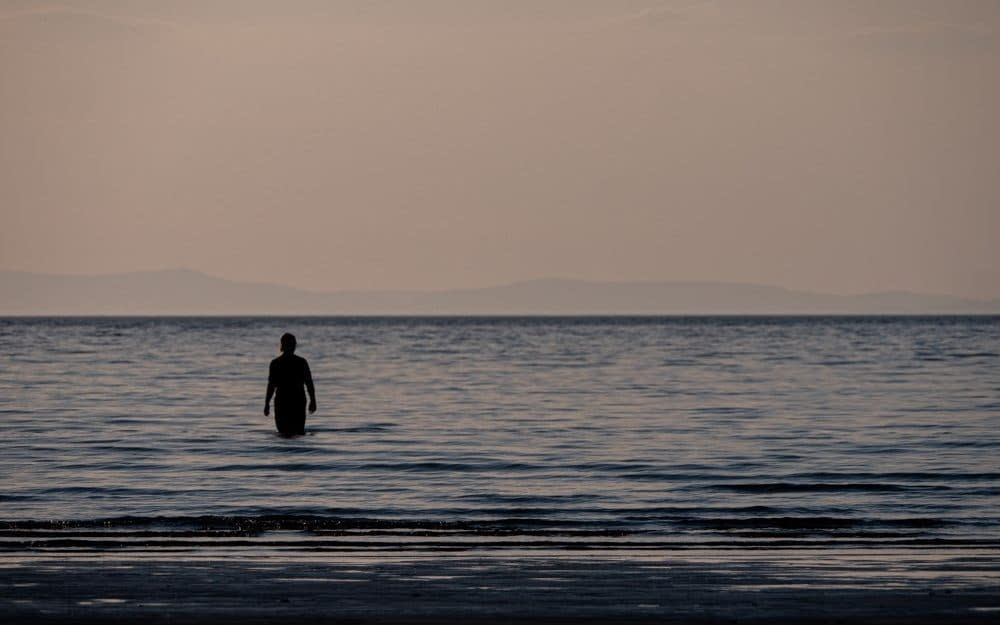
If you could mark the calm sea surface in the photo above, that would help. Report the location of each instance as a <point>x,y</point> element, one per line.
<point>676,430</point>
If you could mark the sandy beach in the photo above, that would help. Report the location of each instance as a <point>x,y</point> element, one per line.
<point>729,586</point>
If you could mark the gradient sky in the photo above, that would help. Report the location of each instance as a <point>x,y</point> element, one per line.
<point>841,146</point>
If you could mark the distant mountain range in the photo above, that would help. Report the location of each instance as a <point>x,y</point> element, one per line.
<point>185,292</point>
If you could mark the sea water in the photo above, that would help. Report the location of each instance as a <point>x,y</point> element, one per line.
<point>694,430</point>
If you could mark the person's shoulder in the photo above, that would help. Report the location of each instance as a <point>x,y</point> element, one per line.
<point>275,361</point>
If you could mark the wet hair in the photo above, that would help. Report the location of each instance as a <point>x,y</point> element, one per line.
<point>287,343</point>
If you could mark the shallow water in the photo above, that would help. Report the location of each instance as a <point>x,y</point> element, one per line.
<point>881,430</point>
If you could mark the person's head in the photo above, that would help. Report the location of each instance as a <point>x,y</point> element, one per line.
<point>287,343</point>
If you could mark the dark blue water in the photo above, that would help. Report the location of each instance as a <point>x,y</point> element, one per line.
<point>878,430</point>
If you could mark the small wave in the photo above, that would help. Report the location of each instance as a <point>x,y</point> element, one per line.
<point>14,497</point>
<point>370,427</point>
<point>973,355</point>
<point>116,491</point>
<point>428,466</point>
<point>494,498</point>
<point>287,466</point>
<point>797,487</point>
<point>900,475</point>
<point>821,477</point>
<point>809,523</point>
<point>974,443</point>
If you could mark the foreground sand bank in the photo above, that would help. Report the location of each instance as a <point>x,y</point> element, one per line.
<point>827,586</point>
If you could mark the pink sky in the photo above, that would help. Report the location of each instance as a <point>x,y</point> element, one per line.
<point>835,146</point>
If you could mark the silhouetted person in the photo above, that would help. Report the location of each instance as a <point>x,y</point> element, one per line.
<point>288,375</point>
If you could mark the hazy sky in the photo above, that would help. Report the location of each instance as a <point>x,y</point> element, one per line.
<point>837,146</point>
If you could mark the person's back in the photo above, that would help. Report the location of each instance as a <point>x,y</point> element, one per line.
<point>287,380</point>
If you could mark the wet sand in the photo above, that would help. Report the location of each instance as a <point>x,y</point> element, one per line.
<point>792,586</point>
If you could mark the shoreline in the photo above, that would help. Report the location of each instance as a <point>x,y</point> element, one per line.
<point>578,586</point>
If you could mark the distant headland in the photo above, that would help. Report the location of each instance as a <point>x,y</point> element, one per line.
<point>187,292</point>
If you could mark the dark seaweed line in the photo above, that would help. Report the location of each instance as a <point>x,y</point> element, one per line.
<point>253,525</point>
<point>210,533</point>
<point>73,545</point>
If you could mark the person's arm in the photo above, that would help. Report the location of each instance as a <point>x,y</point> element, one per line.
<point>311,389</point>
<point>270,390</point>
